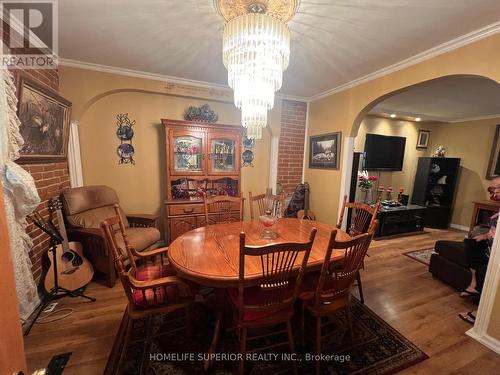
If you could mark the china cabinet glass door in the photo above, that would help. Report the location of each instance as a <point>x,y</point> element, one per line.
<point>224,154</point>
<point>187,153</point>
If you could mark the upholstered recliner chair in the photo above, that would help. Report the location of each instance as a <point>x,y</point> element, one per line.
<point>86,207</point>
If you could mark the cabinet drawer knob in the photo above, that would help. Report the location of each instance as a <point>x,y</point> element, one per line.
<point>188,211</point>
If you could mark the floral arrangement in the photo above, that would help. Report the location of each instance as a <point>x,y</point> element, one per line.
<point>365,182</point>
<point>201,114</point>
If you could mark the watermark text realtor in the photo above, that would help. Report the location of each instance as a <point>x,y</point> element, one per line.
<point>29,33</point>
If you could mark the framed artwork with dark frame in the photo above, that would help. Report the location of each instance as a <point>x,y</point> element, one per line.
<point>494,163</point>
<point>423,139</point>
<point>324,151</point>
<point>45,119</point>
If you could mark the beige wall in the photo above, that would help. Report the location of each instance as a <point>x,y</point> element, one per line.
<point>407,129</point>
<point>343,111</point>
<point>471,142</point>
<point>97,99</point>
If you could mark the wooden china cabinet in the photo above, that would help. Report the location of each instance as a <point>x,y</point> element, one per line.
<point>201,158</point>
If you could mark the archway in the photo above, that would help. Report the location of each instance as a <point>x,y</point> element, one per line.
<point>491,285</point>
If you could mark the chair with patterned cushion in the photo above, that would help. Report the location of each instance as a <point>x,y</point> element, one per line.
<point>322,296</point>
<point>363,218</point>
<point>269,303</point>
<point>86,207</point>
<point>152,288</point>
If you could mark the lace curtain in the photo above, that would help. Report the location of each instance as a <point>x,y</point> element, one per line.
<point>21,196</point>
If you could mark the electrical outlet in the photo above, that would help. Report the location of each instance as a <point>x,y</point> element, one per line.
<point>50,307</point>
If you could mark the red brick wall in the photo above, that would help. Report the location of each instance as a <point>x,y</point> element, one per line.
<point>50,178</point>
<point>291,144</point>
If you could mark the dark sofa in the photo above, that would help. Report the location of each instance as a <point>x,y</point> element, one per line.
<point>449,264</point>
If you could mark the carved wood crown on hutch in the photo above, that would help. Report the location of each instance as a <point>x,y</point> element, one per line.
<point>213,165</point>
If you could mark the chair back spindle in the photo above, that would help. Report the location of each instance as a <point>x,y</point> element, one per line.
<point>336,280</point>
<point>277,290</point>
<point>224,206</point>
<point>262,201</point>
<point>363,217</point>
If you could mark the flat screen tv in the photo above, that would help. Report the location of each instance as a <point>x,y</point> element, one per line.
<point>384,153</point>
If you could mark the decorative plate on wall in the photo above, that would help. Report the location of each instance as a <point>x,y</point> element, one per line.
<point>125,133</point>
<point>125,151</point>
<point>247,157</point>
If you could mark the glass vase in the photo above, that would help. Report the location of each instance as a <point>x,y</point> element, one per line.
<point>368,196</point>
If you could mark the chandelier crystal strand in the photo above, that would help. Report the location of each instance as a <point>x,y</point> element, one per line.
<point>256,51</point>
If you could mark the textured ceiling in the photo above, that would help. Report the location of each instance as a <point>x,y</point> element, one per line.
<point>448,99</point>
<point>333,41</point>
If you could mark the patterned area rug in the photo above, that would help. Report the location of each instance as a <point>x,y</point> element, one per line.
<point>422,255</point>
<point>379,348</point>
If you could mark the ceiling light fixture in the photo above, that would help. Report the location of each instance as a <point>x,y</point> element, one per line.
<point>255,51</point>
<point>418,119</point>
<point>393,115</point>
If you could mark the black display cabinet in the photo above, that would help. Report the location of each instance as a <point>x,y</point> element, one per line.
<point>434,188</point>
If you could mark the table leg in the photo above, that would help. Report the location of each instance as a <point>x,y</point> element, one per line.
<point>219,315</point>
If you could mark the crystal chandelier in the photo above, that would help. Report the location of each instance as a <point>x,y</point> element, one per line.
<point>256,51</point>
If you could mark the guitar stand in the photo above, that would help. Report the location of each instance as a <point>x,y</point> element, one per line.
<point>56,292</point>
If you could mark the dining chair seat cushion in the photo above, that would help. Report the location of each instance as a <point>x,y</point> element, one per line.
<point>309,285</point>
<point>139,238</point>
<point>256,296</point>
<point>164,294</point>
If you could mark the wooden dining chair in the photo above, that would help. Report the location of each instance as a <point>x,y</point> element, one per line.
<point>323,296</point>
<point>228,209</point>
<point>363,218</point>
<point>271,302</point>
<point>260,200</point>
<point>150,289</point>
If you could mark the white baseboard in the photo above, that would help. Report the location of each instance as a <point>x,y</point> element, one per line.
<point>459,227</point>
<point>486,340</point>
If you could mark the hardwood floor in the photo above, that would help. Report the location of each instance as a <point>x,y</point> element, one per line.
<point>397,288</point>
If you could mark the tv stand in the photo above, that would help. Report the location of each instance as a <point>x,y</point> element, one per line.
<point>400,220</point>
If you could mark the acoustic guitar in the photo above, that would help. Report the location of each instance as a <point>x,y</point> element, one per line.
<point>74,271</point>
<point>306,213</point>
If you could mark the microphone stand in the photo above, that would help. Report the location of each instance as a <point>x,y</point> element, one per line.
<point>56,292</point>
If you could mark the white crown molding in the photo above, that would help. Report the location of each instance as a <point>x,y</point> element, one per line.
<point>137,73</point>
<point>426,55</point>
<point>157,77</point>
<point>477,118</point>
<point>378,111</point>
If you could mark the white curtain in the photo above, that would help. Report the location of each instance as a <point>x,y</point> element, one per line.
<point>74,159</point>
<point>21,196</point>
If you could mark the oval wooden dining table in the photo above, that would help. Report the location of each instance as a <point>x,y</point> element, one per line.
<point>209,255</point>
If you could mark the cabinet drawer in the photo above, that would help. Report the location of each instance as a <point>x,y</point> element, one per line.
<point>181,225</point>
<point>185,209</point>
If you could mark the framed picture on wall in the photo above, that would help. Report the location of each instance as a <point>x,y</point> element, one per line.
<point>324,151</point>
<point>45,120</point>
<point>494,163</point>
<point>423,138</point>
